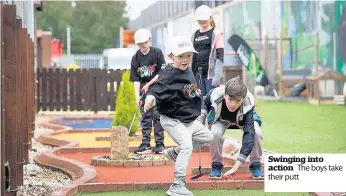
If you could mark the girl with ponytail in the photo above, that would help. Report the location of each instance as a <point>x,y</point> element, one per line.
<point>207,65</point>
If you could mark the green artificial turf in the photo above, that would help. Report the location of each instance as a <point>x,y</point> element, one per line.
<point>195,192</point>
<point>287,128</point>
<point>301,127</point>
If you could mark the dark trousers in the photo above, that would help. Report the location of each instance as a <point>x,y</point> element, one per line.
<point>203,83</point>
<point>150,119</point>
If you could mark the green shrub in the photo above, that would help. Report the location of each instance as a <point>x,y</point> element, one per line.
<point>126,104</point>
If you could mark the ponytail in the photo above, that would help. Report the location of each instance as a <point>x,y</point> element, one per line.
<point>212,22</point>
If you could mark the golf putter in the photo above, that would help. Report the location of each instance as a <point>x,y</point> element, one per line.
<point>200,150</point>
<point>134,115</point>
<point>200,167</point>
<point>133,119</point>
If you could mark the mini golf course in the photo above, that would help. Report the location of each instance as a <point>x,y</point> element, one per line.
<point>79,146</point>
<point>323,132</point>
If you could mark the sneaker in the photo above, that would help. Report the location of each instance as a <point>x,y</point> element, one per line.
<point>143,149</point>
<point>159,149</point>
<point>170,154</point>
<point>216,170</point>
<point>177,189</point>
<point>256,171</point>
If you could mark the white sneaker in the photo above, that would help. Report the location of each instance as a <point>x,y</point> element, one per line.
<point>178,190</point>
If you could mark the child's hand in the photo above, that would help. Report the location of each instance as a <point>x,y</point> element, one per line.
<point>232,171</point>
<point>138,102</point>
<point>145,88</point>
<point>201,118</point>
<point>149,101</point>
<point>229,173</point>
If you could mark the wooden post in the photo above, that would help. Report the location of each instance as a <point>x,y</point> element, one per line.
<point>2,133</point>
<point>252,40</point>
<point>308,89</point>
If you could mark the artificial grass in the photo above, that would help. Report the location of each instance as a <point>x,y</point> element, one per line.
<point>195,192</point>
<point>290,127</point>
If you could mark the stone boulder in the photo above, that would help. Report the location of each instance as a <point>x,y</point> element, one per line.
<point>119,143</point>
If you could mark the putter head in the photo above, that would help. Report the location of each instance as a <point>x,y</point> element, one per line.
<point>197,176</point>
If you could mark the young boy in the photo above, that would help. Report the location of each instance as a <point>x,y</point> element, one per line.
<point>178,101</point>
<point>145,66</point>
<point>233,106</point>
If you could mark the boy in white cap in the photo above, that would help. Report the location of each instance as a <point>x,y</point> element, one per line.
<point>145,66</point>
<point>178,101</point>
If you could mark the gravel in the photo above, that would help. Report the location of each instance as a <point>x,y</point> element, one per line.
<point>40,181</point>
<point>139,157</point>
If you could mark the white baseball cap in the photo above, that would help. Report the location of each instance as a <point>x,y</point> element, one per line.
<point>181,45</point>
<point>203,12</point>
<point>142,35</point>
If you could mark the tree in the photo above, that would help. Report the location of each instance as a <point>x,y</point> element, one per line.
<point>94,24</point>
<point>126,105</point>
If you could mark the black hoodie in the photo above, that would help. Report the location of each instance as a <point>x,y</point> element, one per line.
<point>177,95</point>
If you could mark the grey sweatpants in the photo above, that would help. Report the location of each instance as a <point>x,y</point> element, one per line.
<point>188,136</point>
<point>218,129</point>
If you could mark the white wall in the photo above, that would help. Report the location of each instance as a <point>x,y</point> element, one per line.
<point>25,11</point>
<point>183,26</point>
<point>270,18</point>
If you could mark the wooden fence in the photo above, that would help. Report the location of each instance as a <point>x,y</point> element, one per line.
<point>18,105</point>
<point>77,90</point>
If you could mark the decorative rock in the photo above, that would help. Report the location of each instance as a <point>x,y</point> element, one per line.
<point>108,138</point>
<point>134,160</point>
<point>147,157</point>
<point>41,181</point>
<point>119,143</point>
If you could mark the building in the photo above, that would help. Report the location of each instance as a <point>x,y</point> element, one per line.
<point>299,22</point>
<point>166,19</point>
